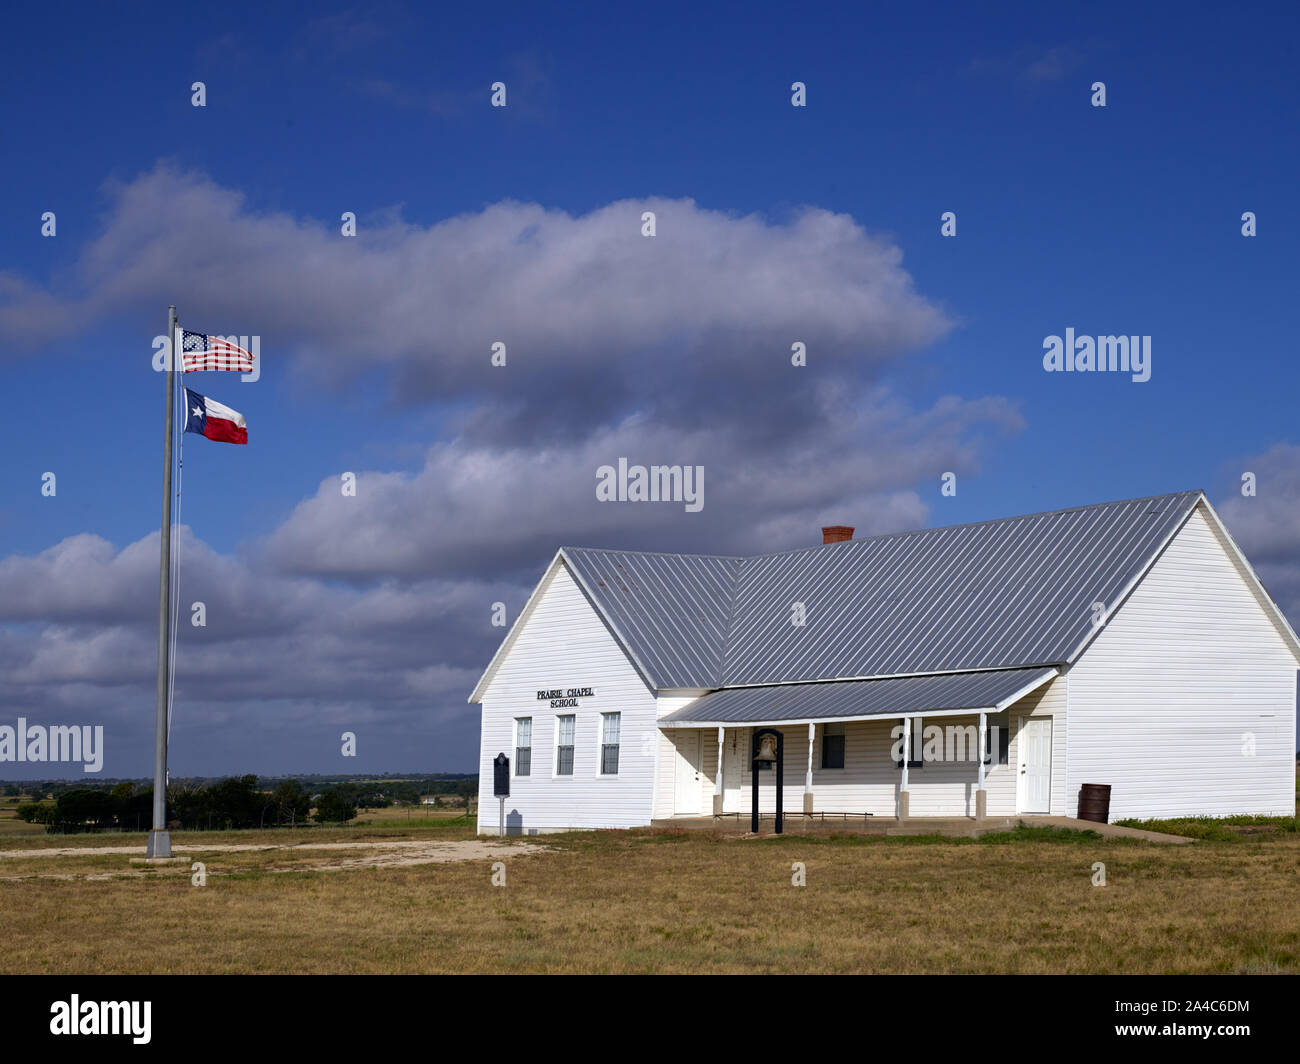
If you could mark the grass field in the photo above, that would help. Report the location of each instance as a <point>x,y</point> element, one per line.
<point>9,822</point>
<point>415,815</point>
<point>647,901</point>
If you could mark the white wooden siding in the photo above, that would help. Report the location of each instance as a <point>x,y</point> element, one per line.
<point>1050,700</point>
<point>666,774</point>
<point>1162,702</point>
<point>564,643</point>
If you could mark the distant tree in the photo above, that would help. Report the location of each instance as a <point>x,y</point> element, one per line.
<point>188,804</point>
<point>229,803</point>
<point>133,809</point>
<point>290,802</point>
<point>83,807</point>
<point>333,807</point>
<point>35,812</point>
<point>237,803</point>
<point>365,796</point>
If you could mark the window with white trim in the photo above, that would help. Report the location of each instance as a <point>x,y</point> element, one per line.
<point>564,745</point>
<point>523,746</point>
<point>832,746</point>
<point>610,724</point>
<point>1003,741</point>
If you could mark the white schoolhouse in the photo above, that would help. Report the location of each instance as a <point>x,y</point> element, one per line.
<point>983,669</point>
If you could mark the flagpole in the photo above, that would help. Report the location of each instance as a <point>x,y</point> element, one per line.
<point>160,844</point>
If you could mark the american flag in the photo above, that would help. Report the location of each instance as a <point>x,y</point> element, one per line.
<point>202,352</point>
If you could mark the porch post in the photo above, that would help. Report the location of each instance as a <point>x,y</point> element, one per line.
<point>981,795</point>
<point>807,779</point>
<point>717,790</point>
<point>907,756</point>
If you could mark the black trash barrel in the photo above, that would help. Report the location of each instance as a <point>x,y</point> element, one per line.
<point>1094,802</point>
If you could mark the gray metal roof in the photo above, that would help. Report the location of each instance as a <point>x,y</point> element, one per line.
<point>861,698</point>
<point>1001,594</point>
<point>672,610</point>
<point>1017,591</point>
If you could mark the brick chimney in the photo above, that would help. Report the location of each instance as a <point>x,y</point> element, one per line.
<point>837,533</point>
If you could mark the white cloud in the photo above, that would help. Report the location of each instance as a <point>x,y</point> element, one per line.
<point>483,509</point>
<point>1267,525</point>
<point>583,302</point>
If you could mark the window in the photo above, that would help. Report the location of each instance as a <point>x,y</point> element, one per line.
<point>609,723</point>
<point>523,746</point>
<point>833,746</point>
<point>564,747</point>
<point>1004,743</point>
<point>917,749</point>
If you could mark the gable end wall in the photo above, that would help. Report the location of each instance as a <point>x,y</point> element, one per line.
<point>564,643</point>
<point>1189,674</point>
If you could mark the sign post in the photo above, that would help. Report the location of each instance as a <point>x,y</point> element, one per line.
<point>501,788</point>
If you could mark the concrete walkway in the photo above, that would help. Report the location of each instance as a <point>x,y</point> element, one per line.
<point>957,827</point>
<point>1110,831</point>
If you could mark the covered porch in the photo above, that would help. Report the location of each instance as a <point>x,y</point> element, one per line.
<point>865,755</point>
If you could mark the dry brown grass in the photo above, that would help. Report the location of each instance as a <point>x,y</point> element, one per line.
<point>661,902</point>
<point>9,822</point>
<point>408,814</point>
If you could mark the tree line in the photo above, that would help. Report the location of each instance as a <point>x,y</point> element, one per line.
<point>231,803</point>
<point>366,792</point>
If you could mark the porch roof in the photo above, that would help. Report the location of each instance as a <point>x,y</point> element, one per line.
<point>960,692</point>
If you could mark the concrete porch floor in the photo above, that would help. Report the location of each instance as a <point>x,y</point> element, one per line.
<point>958,827</point>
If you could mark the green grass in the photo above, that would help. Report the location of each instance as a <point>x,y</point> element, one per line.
<point>1045,833</point>
<point>1218,829</point>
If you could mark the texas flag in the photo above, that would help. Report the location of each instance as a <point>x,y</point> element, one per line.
<point>214,420</point>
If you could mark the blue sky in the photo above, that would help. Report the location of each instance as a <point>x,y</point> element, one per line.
<point>1122,219</point>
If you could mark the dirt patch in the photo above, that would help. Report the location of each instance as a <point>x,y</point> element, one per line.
<point>423,853</point>
<point>397,853</point>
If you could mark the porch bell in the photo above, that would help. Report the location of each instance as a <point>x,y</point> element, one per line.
<point>768,749</point>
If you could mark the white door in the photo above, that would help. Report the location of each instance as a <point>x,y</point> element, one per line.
<point>687,794</point>
<point>1036,765</point>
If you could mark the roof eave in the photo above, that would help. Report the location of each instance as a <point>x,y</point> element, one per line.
<point>624,644</point>
<point>1137,579</point>
<point>1288,633</point>
<point>477,694</point>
